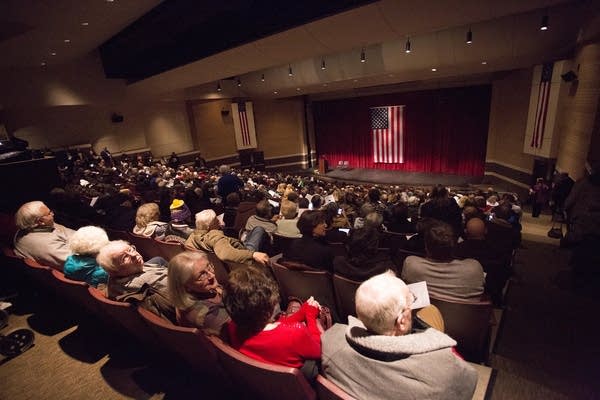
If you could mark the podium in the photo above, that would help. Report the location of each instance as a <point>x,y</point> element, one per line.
<point>322,165</point>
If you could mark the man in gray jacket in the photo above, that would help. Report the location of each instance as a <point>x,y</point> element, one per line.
<point>382,356</point>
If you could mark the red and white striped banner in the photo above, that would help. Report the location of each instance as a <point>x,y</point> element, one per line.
<point>541,110</point>
<point>243,123</point>
<point>387,125</point>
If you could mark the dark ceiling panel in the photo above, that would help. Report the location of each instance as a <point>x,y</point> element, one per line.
<point>178,32</point>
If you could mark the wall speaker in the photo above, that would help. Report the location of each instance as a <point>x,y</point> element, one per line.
<point>116,118</point>
<point>569,76</point>
<point>224,112</point>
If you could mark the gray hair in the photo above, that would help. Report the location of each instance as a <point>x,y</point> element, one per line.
<point>205,218</point>
<point>181,269</point>
<point>379,302</point>
<point>28,214</point>
<point>108,256</point>
<point>373,220</point>
<point>88,240</point>
<point>223,169</point>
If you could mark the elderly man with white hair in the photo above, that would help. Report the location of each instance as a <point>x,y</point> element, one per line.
<point>210,238</point>
<point>384,355</point>
<point>39,237</point>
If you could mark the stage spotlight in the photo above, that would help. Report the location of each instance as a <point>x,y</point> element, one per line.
<point>219,87</point>
<point>363,57</point>
<point>262,78</point>
<point>239,82</point>
<point>407,46</point>
<point>323,67</point>
<point>544,24</point>
<point>290,72</point>
<point>469,37</point>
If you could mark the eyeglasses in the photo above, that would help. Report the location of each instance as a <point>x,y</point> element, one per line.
<point>210,269</point>
<point>129,255</point>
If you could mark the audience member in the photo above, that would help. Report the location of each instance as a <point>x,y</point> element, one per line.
<point>147,222</point>
<point>252,300</point>
<point>180,220</point>
<point>210,238</point>
<point>363,259</point>
<point>195,292</point>
<point>311,249</point>
<point>264,218</point>
<point>399,222</point>
<point>228,182</point>
<point>446,277</point>
<point>501,234</point>
<point>288,224</point>
<point>539,193</point>
<point>384,354</point>
<point>39,237</point>
<point>85,244</point>
<point>443,208</point>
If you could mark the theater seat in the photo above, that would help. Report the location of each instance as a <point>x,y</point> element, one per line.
<point>262,380</point>
<point>345,290</point>
<point>75,291</point>
<point>327,390</point>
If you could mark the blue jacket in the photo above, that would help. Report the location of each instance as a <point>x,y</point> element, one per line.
<point>85,268</point>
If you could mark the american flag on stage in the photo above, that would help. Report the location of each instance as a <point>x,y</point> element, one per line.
<point>387,124</point>
<point>243,123</point>
<point>541,110</point>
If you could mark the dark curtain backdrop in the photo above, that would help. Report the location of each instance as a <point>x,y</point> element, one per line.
<point>445,130</point>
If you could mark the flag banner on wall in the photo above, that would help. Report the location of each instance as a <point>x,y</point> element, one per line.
<point>387,125</point>
<point>243,123</point>
<point>541,110</point>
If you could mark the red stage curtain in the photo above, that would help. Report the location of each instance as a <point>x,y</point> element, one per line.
<point>445,131</point>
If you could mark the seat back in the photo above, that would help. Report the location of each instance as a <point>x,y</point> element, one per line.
<point>8,229</point>
<point>265,381</point>
<point>122,314</point>
<point>168,250</point>
<point>393,240</point>
<point>38,272</point>
<point>190,344</point>
<point>281,244</point>
<point>75,291</point>
<point>469,323</point>
<point>303,284</point>
<point>118,235</point>
<point>221,270</point>
<point>146,246</point>
<point>327,390</point>
<point>345,289</point>
<point>244,211</point>
<point>338,249</point>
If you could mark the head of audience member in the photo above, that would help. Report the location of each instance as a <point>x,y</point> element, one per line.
<point>439,242</point>
<point>439,192</point>
<point>374,195</point>
<point>475,229</point>
<point>503,211</point>
<point>374,221</point>
<point>120,259</point>
<point>88,240</point>
<point>316,201</point>
<point>191,276</point>
<point>147,213</point>
<point>289,209</point>
<point>303,203</point>
<point>383,305</point>
<point>291,196</point>
<point>264,209</point>
<point>224,169</point>
<point>363,243</point>
<point>366,209</point>
<point>312,224</point>
<point>34,214</point>
<point>251,298</point>
<point>331,211</point>
<point>233,199</point>
<point>472,212</point>
<point>207,220</point>
<point>180,212</point>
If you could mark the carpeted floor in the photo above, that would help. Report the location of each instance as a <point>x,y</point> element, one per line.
<point>546,346</point>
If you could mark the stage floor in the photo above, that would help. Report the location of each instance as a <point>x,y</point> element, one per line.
<point>365,175</point>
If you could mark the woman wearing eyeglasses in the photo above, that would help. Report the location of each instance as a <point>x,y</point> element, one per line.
<point>195,292</point>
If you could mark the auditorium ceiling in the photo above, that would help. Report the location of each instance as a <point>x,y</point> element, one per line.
<point>185,49</point>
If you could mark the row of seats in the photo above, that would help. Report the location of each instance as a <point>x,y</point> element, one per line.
<point>205,354</point>
<point>469,323</point>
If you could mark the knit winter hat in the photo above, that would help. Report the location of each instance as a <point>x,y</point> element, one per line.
<point>180,214</point>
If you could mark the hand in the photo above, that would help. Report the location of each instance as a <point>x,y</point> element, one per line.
<point>261,258</point>
<point>312,302</point>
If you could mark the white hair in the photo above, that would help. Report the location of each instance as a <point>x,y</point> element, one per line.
<point>379,302</point>
<point>181,269</point>
<point>223,169</point>
<point>88,240</point>
<point>28,214</point>
<point>204,219</point>
<point>108,256</point>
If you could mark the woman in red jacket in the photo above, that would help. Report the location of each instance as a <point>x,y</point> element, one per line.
<point>256,330</point>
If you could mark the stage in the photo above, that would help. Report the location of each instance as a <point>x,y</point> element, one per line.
<point>365,175</point>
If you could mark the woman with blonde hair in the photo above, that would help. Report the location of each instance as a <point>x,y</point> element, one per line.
<point>85,244</point>
<point>147,222</point>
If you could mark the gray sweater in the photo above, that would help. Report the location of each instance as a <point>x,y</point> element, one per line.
<point>420,365</point>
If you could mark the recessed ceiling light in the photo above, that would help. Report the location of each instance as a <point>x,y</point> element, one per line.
<point>324,84</point>
<point>275,92</point>
<point>433,69</point>
<point>110,1</point>
<point>391,75</point>
<point>355,80</point>
<point>298,89</point>
<point>43,63</point>
<point>85,23</point>
<point>53,53</point>
<point>484,62</point>
<point>67,40</point>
